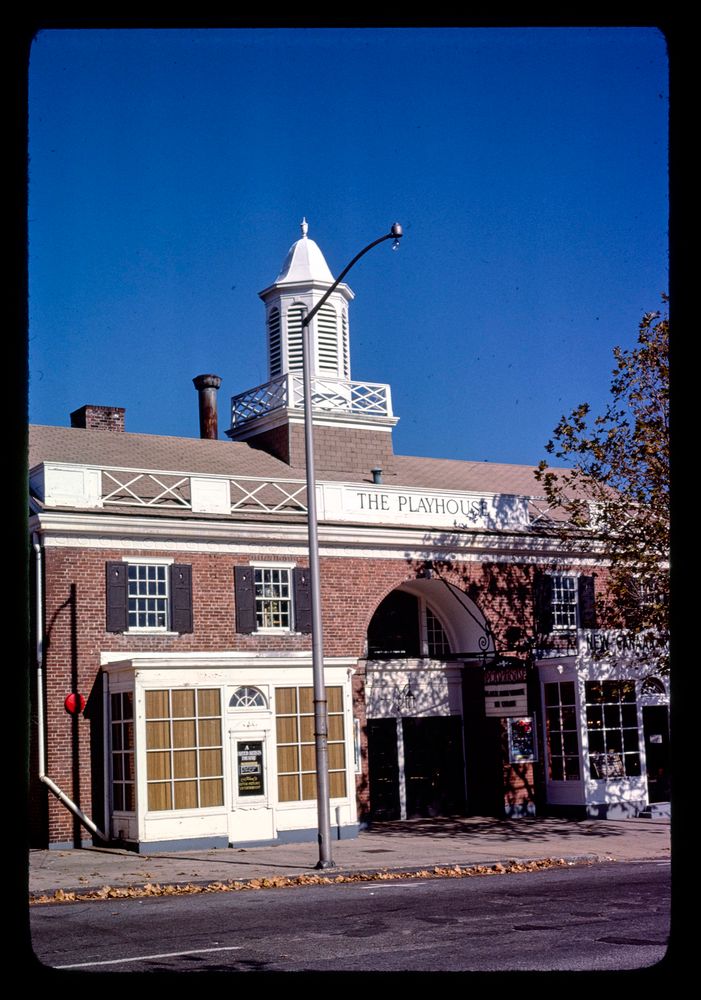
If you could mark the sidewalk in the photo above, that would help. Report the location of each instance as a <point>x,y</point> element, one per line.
<point>398,846</point>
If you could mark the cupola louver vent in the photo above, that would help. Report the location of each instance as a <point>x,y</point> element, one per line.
<point>274,345</point>
<point>327,339</point>
<point>294,338</point>
<point>346,349</point>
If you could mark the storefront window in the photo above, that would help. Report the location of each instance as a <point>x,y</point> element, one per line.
<point>122,726</point>
<point>296,755</point>
<point>561,731</point>
<point>612,725</point>
<point>184,761</point>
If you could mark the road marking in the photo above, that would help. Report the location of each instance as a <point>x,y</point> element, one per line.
<point>146,958</point>
<point>395,885</point>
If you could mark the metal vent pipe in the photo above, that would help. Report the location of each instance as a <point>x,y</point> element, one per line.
<point>207,386</point>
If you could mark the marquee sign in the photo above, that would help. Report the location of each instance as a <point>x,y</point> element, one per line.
<point>506,671</point>
<point>505,692</point>
<point>505,700</point>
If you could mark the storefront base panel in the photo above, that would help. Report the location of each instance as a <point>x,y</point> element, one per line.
<point>615,810</point>
<point>193,844</point>
<point>70,845</point>
<point>658,810</point>
<point>601,810</point>
<point>219,843</point>
<point>349,832</point>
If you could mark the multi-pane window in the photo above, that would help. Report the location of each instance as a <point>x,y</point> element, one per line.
<point>296,755</point>
<point>564,602</point>
<point>122,734</point>
<point>147,594</point>
<point>438,645</point>
<point>184,760</point>
<point>612,727</point>
<point>561,731</point>
<point>652,601</point>
<point>273,597</point>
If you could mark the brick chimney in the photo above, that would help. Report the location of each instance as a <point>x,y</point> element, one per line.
<point>99,418</point>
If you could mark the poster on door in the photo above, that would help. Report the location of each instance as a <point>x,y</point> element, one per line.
<point>522,744</point>
<point>249,766</point>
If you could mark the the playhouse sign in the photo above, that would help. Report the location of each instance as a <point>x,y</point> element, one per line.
<point>432,508</point>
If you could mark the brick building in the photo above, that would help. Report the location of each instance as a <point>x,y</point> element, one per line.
<point>464,668</point>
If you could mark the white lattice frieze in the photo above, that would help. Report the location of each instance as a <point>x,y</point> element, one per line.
<point>268,496</point>
<point>145,489</point>
<point>221,495</point>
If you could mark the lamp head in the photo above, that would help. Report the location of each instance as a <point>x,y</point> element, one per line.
<point>397,233</point>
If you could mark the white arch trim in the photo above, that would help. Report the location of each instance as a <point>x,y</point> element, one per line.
<point>465,625</point>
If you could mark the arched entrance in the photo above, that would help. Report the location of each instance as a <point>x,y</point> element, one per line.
<point>415,695</point>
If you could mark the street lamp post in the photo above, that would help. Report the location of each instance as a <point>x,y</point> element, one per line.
<point>320,703</point>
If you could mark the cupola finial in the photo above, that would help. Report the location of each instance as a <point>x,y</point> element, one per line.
<point>304,227</point>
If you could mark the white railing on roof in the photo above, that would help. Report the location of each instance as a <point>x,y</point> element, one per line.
<point>545,515</point>
<point>145,489</point>
<point>164,490</point>
<point>268,496</point>
<point>333,395</point>
<point>246,494</point>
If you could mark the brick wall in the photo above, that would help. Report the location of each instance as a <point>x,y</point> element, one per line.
<point>275,442</point>
<point>352,588</point>
<point>335,448</point>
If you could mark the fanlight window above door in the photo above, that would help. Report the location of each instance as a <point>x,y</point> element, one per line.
<point>247,697</point>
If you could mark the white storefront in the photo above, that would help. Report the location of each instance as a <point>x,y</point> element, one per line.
<point>218,750</point>
<point>606,727</point>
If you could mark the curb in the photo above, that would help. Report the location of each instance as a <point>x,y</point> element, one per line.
<point>328,877</point>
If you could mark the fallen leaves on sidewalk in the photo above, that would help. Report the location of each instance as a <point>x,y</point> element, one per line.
<point>285,882</point>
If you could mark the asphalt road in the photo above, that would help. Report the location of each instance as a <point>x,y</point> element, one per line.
<point>601,917</point>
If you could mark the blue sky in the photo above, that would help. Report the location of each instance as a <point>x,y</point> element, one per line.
<point>169,171</point>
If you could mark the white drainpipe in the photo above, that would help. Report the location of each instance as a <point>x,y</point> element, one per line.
<point>43,776</point>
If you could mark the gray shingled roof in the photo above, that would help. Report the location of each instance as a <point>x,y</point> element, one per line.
<point>229,458</point>
<point>118,449</point>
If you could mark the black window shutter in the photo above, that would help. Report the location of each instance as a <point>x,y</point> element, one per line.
<point>543,603</point>
<point>587,603</point>
<point>116,597</point>
<point>181,598</point>
<point>244,594</point>
<point>303,600</point>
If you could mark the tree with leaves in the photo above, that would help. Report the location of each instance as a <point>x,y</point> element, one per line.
<point>617,483</point>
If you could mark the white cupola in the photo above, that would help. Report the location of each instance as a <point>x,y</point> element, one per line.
<point>353,421</point>
<point>301,283</point>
